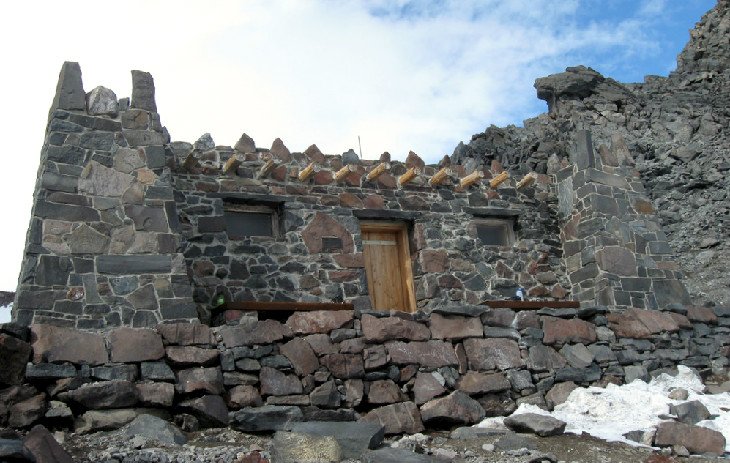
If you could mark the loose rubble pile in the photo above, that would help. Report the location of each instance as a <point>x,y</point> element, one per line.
<point>675,127</point>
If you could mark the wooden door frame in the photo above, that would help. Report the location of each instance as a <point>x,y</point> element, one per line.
<point>404,255</point>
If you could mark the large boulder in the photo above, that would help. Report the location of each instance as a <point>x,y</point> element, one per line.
<point>265,418</point>
<point>154,428</point>
<point>105,394</point>
<point>456,407</point>
<point>696,439</point>
<point>58,344</point>
<point>377,330</point>
<point>14,355</point>
<point>399,418</point>
<point>542,425</point>
<point>41,447</point>
<point>353,438</point>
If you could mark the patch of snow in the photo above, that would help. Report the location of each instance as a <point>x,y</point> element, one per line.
<point>609,413</point>
<point>5,313</point>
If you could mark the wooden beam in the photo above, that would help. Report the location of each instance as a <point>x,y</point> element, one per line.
<point>378,171</point>
<point>266,168</point>
<point>342,173</point>
<point>440,176</point>
<point>306,172</point>
<point>532,304</point>
<point>408,176</point>
<point>232,164</point>
<point>496,181</point>
<point>293,306</point>
<point>471,179</point>
<point>527,180</point>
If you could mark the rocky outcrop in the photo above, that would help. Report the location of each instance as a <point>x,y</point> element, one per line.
<point>675,130</point>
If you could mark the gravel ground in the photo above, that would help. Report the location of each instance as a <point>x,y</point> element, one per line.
<point>226,446</point>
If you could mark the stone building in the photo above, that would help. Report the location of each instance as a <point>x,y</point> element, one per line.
<point>130,229</point>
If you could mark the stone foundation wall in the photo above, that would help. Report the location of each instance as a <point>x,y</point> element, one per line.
<point>403,371</point>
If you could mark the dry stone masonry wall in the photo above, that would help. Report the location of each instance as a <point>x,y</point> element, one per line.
<point>404,372</point>
<point>102,246</point>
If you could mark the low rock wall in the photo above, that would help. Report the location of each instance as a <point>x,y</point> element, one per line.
<point>405,371</point>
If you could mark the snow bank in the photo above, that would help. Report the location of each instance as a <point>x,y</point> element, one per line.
<point>612,412</point>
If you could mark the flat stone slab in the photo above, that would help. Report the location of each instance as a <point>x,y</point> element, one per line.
<point>266,418</point>
<point>295,447</point>
<point>394,455</point>
<point>152,427</point>
<point>353,438</point>
<point>534,423</point>
<point>696,439</point>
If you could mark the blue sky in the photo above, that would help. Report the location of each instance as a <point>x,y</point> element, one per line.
<point>403,76</point>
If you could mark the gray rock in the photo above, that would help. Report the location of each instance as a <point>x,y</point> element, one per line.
<point>295,447</point>
<point>265,418</point>
<point>204,143</point>
<point>143,91</point>
<point>11,450</point>
<point>41,447</point>
<point>577,355</point>
<point>350,157</point>
<point>105,394</point>
<point>103,420</point>
<point>210,410</point>
<point>541,425</point>
<point>353,438</point>
<point>154,428</point>
<point>395,455</point>
<point>470,432</point>
<point>512,441</point>
<point>70,90</point>
<point>101,101</point>
<point>245,144</point>
<point>456,407</point>
<point>690,412</point>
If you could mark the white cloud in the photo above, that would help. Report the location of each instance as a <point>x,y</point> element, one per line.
<point>412,77</point>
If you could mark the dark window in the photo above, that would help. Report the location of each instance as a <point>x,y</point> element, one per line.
<point>247,220</point>
<point>495,232</point>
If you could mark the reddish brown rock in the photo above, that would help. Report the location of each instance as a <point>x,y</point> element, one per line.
<point>385,392</point>
<point>135,345</point>
<point>244,396</point>
<point>321,344</point>
<point>191,355</point>
<point>186,334</point>
<point>559,393</point>
<point>378,330</point>
<point>301,356</point>
<point>14,354</point>
<point>641,324</point>
<point>27,412</point>
<point>209,380</point>
<point>434,261</point>
<point>344,366</point>
<point>427,386</point>
<point>488,354</point>
<point>40,445</point>
<point>414,160</point>
<point>430,354</point>
<point>681,321</point>
<point>374,202</point>
<point>155,394</point>
<point>341,276</point>
<point>456,407</point>
<point>274,382</point>
<point>696,439</point>
<point>500,317</point>
<point>280,151</point>
<point>350,260</point>
<point>314,154</point>
<point>350,200</point>
<point>455,327</point>
<point>480,383</point>
<point>57,344</point>
<point>702,315</point>
<point>560,331</point>
<point>319,321</point>
<point>261,332</point>
<point>374,357</point>
<point>105,394</point>
<point>399,418</point>
<point>323,225</point>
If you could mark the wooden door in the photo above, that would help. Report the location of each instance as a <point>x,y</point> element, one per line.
<point>388,266</point>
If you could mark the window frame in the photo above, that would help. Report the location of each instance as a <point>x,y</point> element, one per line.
<point>231,207</point>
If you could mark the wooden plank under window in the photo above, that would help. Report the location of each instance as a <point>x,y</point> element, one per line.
<point>293,306</point>
<point>532,304</point>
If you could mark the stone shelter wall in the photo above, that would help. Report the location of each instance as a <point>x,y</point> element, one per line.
<point>102,246</point>
<point>615,250</point>
<point>318,254</point>
<point>403,371</point>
